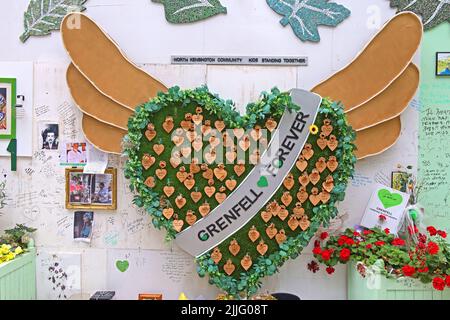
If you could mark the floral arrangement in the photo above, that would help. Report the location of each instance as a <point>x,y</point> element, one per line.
<point>427,260</point>
<point>6,254</point>
<point>13,242</point>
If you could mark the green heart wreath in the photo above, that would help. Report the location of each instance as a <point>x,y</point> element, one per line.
<point>280,231</point>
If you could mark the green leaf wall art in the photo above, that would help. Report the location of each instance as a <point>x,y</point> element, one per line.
<point>185,11</point>
<point>305,16</point>
<point>43,16</point>
<point>433,12</point>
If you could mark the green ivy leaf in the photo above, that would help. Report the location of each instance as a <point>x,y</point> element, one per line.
<point>185,11</point>
<point>44,16</point>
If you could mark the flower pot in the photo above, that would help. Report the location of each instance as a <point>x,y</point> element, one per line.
<point>18,277</point>
<point>376,286</point>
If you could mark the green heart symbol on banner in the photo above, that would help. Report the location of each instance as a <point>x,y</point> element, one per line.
<point>122,265</point>
<point>389,199</point>
<point>178,193</point>
<point>262,183</point>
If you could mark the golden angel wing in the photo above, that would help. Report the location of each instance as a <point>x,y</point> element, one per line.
<point>103,82</point>
<point>378,85</point>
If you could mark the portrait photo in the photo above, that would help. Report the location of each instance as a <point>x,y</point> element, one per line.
<point>443,64</point>
<point>7,108</point>
<point>91,191</point>
<point>48,136</point>
<point>82,225</point>
<point>73,153</point>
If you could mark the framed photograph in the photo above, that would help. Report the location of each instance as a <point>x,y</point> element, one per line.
<point>150,296</point>
<point>83,222</point>
<point>7,108</point>
<point>48,136</point>
<point>91,191</point>
<point>73,154</point>
<point>399,181</point>
<point>443,64</point>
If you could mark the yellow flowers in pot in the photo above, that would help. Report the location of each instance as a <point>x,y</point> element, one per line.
<point>6,254</point>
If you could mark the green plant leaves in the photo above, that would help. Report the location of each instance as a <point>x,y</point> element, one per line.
<point>185,11</point>
<point>43,16</point>
<point>433,12</point>
<point>305,16</point>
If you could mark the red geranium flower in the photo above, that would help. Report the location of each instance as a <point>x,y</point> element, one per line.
<point>369,246</point>
<point>442,234</point>
<point>356,234</point>
<point>423,270</point>
<point>367,232</point>
<point>438,283</point>
<point>387,231</point>
<point>342,240</point>
<point>349,241</point>
<point>408,270</point>
<point>379,243</point>
<point>326,255</point>
<point>432,230</point>
<point>447,281</point>
<point>382,217</point>
<point>330,270</point>
<point>433,248</point>
<point>317,250</point>
<point>398,242</point>
<point>344,254</point>
<point>324,235</point>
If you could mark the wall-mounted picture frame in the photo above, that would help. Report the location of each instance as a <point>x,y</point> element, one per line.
<point>91,191</point>
<point>7,108</point>
<point>150,296</point>
<point>443,64</point>
<point>399,181</point>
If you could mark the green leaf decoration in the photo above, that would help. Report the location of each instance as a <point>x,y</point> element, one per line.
<point>305,16</point>
<point>433,12</point>
<point>43,16</point>
<point>185,11</point>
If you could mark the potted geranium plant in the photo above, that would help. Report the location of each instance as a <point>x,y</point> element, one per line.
<point>428,260</point>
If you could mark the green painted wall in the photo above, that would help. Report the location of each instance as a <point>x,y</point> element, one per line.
<point>434,132</point>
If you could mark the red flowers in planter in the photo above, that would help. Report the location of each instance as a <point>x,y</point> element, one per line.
<point>438,283</point>
<point>398,242</point>
<point>408,271</point>
<point>344,255</point>
<point>427,260</point>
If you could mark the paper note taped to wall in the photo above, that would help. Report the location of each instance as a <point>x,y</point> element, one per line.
<point>97,161</point>
<point>385,209</point>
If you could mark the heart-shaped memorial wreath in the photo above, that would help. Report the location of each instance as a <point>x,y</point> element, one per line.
<point>241,193</point>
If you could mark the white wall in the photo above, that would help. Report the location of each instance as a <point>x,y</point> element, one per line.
<point>139,26</point>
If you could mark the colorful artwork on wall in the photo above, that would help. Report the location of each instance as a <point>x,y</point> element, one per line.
<point>184,148</point>
<point>433,12</point>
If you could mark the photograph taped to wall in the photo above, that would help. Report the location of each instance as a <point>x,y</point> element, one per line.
<point>7,108</point>
<point>48,136</point>
<point>83,222</point>
<point>443,64</point>
<point>91,191</point>
<point>73,154</point>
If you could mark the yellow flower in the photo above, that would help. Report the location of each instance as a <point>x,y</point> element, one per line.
<point>18,250</point>
<point>313,129</point>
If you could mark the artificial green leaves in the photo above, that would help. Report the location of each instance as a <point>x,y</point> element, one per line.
<point>44,16</point>
<point>305,16</point>
<point>185,11</point>
<point>433,12</point>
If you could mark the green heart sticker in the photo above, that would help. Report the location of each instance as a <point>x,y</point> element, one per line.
<point>262,182</point>
<point>122,265</point>
<point>389,199</point>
